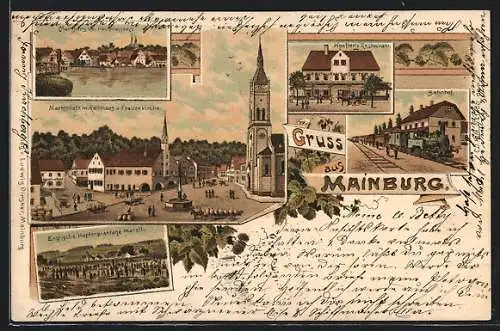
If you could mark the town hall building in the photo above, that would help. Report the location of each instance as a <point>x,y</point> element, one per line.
<point>265,150</point>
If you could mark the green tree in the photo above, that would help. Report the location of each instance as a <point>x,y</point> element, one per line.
<point>372,85</point>
<point>384,127</point>
<point>297,82</point>
<point>375,129</point>
<point>456,59</point>
<point>435,53</point>
<point>401,54</point>
<point>398,120</point>
<point>389,123</point>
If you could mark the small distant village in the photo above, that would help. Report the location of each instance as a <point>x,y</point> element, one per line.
<point>134,54</point>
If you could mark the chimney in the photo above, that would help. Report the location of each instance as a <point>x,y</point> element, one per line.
<point>431,103</point>
<point>421,107</point>
<point>326,49</point>
<point>411,109</point>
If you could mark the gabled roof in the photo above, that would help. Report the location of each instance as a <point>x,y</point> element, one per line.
<point>131,158</point>
<point>358,61</point>
<point>265,151</point>
<point>68,55</point>
<point>51,165</point>
<point>43,51</point>
<point>444,109</point>
<point>81,163</point>
<point>36,178</point>
<point>278,141</point>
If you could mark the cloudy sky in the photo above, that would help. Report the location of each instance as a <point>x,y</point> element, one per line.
<point>360,125</point>
<point>215,110</point>
<point>120,36</point>
<point>109,234</point>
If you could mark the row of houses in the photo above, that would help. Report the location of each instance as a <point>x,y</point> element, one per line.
<point>128,171</point>
<point>48,56</point>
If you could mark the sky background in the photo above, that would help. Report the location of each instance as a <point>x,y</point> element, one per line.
<point>362,124</point>
<point>120,36</point>
<point>149,232</point>
<point>215,110</point>
<point>299,50</point>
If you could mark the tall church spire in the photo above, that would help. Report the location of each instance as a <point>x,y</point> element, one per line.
<point>260,77</point>
<point>164,135</point>
<point>260,57</point>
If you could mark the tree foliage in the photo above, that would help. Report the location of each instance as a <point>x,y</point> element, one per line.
<point>305,200</point>
<point>66,147</point>
<point>196,243</point>
<point>297,82</point>
<point>372,85</point>
<point>437,54</point>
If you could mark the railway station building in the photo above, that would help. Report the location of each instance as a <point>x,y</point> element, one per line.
<point>430,118</point>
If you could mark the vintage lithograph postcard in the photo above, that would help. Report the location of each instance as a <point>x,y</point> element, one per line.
<point>271,166</point>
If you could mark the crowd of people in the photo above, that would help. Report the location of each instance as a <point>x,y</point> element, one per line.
<point>106,269</point>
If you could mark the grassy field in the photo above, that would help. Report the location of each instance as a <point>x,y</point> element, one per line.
<point>55,289</point>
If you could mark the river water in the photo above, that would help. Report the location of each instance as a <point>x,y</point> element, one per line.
<point>125,82</point>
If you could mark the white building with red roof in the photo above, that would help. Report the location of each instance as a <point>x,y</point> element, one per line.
<point>326,72</point>
<point>52,173</point>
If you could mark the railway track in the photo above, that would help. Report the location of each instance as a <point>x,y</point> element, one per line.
<point>381,162</point>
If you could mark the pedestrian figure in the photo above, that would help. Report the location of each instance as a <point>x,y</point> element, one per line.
<point>75,207</point>
<point>387,150</point>
<point>206,193</point>
<point>149,211</point>
<point>161,196</point>
<point>395,153</point>
<point>116,194</point>
<point>78,198</point>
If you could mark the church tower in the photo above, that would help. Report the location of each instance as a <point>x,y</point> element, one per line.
<point>259,126</point>
<point>165,149</point>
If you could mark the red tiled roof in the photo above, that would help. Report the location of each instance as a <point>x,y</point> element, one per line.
<point>36,178</point>
<point>131,159</point>
<point>51,165</point>
<point>81,163</point>
<point>359,60</point>
<point>42,51</point>
<point>433,109</point>
<point>238,161</point>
